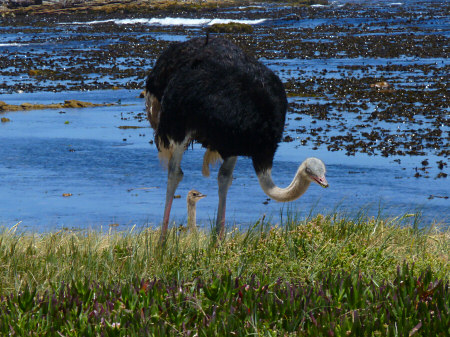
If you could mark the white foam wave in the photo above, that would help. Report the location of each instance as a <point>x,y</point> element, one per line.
<point>248,22</point>
<point>169,21</point>
<point>86,23</point>
<point>163,21</point>
<point>245,7</point>
<point>14,44</point>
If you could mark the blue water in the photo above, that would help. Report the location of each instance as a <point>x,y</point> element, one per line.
<point>114,176</point>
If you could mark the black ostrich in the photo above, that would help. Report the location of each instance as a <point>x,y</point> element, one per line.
<point>211,92</point>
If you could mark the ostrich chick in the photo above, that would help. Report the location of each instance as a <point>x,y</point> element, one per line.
<point>192,198</point>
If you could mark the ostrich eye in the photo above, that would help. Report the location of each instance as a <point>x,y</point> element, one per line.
<point>308,170</point>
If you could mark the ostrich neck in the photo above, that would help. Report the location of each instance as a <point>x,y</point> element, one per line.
<point>191,214</point>
<point>296,188</point>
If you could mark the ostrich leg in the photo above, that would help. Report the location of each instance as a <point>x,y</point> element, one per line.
<point>224,178</point>
<point>175,175</point>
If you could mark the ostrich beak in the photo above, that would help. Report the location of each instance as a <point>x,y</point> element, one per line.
<point>322,181</point>
<point>201,196</point>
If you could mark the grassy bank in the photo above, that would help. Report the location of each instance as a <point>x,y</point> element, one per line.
<point>297,250</point>
<point>369,276</point>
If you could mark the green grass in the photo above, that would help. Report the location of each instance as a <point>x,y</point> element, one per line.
<point>346,304</point>
<point>296,250</point>
<point>326,275</point>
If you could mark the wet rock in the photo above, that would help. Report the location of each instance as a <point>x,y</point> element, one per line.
<point>441,164</point>
<point>22,3</point>
<point>380,85</point>
<point>230,28</point>
<point>288,139</point>
<point>73,103</point>
<point>5,120</point>
<point>67,104</point>
<point>437,196</point>
<point>29,106</point>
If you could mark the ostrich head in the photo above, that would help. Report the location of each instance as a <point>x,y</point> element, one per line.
<point>314,171</point>
<point>194,196</point>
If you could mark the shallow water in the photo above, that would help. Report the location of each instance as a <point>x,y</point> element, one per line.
<point>114,176</point>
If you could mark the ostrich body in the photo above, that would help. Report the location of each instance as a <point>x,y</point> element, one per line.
<point>213,93</point>
<point>192,198</point>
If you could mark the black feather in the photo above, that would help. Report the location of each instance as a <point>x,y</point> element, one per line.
<point>224,98</point>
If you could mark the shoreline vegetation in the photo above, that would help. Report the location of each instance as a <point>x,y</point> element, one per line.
<point>319,276</point>
<point>52,7</point>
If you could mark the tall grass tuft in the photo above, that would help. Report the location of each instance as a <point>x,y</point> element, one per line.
<point>296,250</point>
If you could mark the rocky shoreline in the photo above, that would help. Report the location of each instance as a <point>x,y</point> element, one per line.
<point>393,70</point>
<point>72,103</point>
<point>57,7</point>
